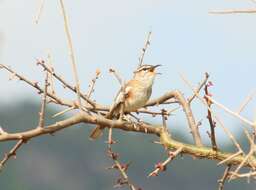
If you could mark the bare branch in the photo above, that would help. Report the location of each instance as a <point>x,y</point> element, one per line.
<point>63,111</point>
<point>37,87</point>
<point>224,177</point>
<point>200,152</point>
<point>92,84</point>
<point>230,157</point>
<point>217,119</point>
<point>11,153</point>
<point>203,152</point>
<point>51,81</point>
<point>246,121</point>
<point>247,157</point>
<point>42,112</point>
<point>65,83</point>
<point>39,12</point>
<point>210,119</point>
<point>118,77</point>
<point>162,166</point>
<point>233,11</point>
<point>243,175</point>
<point>246,101</point>
<point>202,84</point>
<point>144,49</point>
<point>122,168</point>
<point>71,54</point>
<point>186,108</point>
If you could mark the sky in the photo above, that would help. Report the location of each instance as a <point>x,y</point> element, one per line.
<point>110,34</point>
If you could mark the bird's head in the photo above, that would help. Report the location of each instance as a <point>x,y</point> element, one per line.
<point>146,73</point>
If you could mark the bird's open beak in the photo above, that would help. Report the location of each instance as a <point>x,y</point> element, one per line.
<point>156,66</point>
<point>153,68</point>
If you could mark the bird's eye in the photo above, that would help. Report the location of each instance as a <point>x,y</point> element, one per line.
<point>144,69</point>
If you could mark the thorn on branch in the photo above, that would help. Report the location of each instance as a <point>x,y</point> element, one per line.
<point>160,166</point>
<point>199,123</point>
<point>112,154</point>
<point>120,182</point>
<point>122,168</point>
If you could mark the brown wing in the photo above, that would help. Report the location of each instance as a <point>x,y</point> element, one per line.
<point>116,106</point>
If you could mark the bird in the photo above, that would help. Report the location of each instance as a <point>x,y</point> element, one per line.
<point>134,95</point>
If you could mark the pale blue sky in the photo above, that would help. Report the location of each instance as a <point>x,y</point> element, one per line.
<point>186,39</point>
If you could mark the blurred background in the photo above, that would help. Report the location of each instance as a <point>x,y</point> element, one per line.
<point>110,34</point>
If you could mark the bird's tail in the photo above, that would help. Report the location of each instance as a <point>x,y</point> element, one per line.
<point>96,132</point>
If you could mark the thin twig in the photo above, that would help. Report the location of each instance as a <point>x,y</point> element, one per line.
<point>164,118</point>
<point>233,11</point>
<point>162,166</point>
<point>246,101</point>
<point>243,175</point>
<point>224,177</point>
<point>118,77</point>
<point>43,105</point>
<point>39,12</point>
<point>154,113</point>
<point>227,131</point>
<point>172,110</point>
<point>65,83</point>
<point>247,157</point>
<point>216,118</point>
<point>11,153</point>
<point>242,164</point>
<point>117,165</point>
<point>246,121</point>
<point>230,157</point>
<point>110,139</point>
<point>92,84</point>
<point>71,53</point>
<point>36,86</point>
<point>190,118</point>
<point>202,84</point>
<point>210,119</point>
<point>63,111</point>
<point>51,82</point>
<point>144,49</point>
